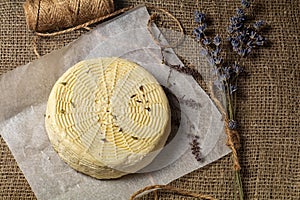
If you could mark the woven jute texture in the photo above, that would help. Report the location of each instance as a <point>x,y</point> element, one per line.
<point>267,107</point>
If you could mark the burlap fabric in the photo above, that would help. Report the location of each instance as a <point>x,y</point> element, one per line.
<point>267,107</point>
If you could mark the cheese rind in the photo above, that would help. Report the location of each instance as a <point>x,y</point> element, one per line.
<point>107,117</point>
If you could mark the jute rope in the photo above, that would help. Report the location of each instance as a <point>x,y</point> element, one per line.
<point>153,18</point>
<point>35,48</point>
<point>45,15</point>
<point>171,189</point>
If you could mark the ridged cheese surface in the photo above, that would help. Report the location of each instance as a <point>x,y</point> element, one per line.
<point>107,117</point>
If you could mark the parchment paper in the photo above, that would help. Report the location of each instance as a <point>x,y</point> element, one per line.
<point>24,94</point>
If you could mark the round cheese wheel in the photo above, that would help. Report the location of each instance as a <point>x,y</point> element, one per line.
<point>107,117</point>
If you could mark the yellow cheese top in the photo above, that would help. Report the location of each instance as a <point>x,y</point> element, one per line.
<point>107,117</point>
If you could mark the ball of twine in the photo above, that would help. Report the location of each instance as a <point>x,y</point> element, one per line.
<point>49,15</point>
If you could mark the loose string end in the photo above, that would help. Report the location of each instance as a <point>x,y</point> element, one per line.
<point>35,46</point>
<point>171,189</point>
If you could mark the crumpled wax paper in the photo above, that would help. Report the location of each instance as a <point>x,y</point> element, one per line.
<point>24,94</point>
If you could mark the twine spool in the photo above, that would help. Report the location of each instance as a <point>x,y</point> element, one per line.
<point>53,15</point>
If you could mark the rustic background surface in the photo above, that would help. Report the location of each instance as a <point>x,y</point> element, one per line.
<point>267,107</point>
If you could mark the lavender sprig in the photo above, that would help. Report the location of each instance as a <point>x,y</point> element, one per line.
<point>243,38</point>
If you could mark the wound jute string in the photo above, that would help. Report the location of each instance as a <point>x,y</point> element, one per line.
<point>48,18</point>
<point>45,15</point>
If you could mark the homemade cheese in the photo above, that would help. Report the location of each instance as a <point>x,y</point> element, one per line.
<point>107,117</point>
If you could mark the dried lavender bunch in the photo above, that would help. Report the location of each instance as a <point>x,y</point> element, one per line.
<point>243,38</point>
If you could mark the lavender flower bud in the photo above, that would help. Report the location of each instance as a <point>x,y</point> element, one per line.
<point>232,89</point>
<point>245,3</point>
<point>244,52</point>
<point>232,124</point>
<point>260,41</point>
<point>218,60</point>
<point>198,32</point>
<point>234,42</point>
<point>215,52</point>
<point>258,25</point>
<point>199,17</point>
<point>217,40</point>
<point>206,41</point>
<point>237,69</point>
<point>240,12</point>
<point>252,35</point>
<point>230,29</point>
